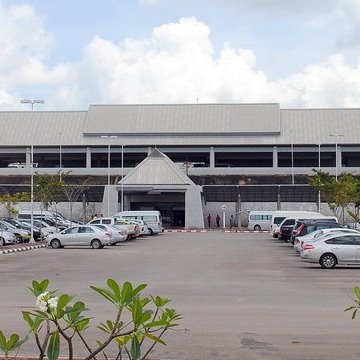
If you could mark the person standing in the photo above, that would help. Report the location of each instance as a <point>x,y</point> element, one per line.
<point>209,220</point>
<point>218,220</point>
<point>232,221</point>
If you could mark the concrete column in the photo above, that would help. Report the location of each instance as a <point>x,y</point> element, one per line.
<point>212,157</point>
<point>28,157</point>
<point>339,159</point>
<point>194,217</point>
<point>88,157</point>
<point>275,157</point>
<point>110,191</point>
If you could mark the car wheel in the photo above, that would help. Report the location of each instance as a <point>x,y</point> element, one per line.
<point>257,227</point>
<point>151,232</point>
<point>328,261</point>
<point>2,242</point>
<point>96,244</point>
<point>55,244</point>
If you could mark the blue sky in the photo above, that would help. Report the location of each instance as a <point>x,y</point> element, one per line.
<point>76,53</point>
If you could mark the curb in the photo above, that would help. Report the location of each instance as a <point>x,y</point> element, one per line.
<point>248,231</point>
<point>227,231</point>
<point>185,231</point>
<point>25,248</point>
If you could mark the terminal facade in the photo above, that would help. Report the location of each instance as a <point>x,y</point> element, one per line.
<point>244,156</point>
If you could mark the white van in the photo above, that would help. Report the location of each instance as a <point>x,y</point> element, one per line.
<point>151,217</point>
<point>259,220</point>
<point>279,216</point>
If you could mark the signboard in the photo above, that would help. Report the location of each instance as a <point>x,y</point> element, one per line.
<point>223,207</point>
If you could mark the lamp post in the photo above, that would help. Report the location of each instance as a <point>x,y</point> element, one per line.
<point>122,177</point>
<point>336,136</point>
<point>108,169</point>
<point>32,102</point>
<point>292,164</point>
<point>32,194</point>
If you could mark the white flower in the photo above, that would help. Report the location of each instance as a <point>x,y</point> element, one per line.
<point>52,302</point>
<point>46,302</point>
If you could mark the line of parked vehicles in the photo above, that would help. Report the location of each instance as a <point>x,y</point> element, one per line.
<point>317,238</point>
<point>59,232</point>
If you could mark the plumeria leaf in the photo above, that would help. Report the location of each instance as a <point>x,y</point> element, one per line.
<point>154,338</point>
<point>54,346</point>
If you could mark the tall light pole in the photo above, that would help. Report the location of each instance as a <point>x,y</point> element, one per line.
<point>32,240</point>
<point>319,193</point>
<point>122,177</point>
<point>32,102</point>
<point>292,164</point>
<point>336,136</point>
<point>108,167</point>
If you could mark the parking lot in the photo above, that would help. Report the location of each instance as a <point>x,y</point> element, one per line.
<point>243,296</point>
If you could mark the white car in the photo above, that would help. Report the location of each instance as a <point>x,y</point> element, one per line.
<point>83,235</point>
<point>338,248</point>
<point>117,235</point>
<point>313,236</point>
<point>7,237</point>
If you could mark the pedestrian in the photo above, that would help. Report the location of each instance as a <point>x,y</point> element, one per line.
<point>94,216</point>
<point>209,220</point>
<point>232,221</point>
<point>218,220</point>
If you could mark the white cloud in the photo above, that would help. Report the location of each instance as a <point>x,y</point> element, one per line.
<point>150,2</point>
<point>175,64</point>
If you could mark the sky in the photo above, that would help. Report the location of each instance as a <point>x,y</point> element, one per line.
<point>299,53</point>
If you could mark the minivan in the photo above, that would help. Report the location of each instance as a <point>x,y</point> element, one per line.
<point>151,217</point>
<point>259,220</point>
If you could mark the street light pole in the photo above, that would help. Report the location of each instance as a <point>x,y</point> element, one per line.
<point>32,194</point>
<point>122,177</point>
<point>108,169</point>
<point>292,164</point>
<point>32,102</point>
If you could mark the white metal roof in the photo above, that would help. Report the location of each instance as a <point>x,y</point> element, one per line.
<point>172,125</point>
<point>183,119</point>
<point>156,169</point>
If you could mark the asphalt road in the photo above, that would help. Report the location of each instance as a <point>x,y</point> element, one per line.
<point>243,296</point>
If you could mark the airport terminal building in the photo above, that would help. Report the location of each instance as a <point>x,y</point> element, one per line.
<point>186,160</point>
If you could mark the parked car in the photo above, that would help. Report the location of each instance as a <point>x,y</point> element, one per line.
<point>318,234</point>
<point>303,227</point>
<point>44,227</point>
<point>19,225</point>
<point>118,235</point>
<point>339,248</point>
<point>22,235</point>
<point>143,227</point>
<point>132,229</point>
<point>6,237</point>
<point>83,235</point>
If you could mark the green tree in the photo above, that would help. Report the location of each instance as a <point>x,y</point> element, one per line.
<point>47,188</point>
<point>10,200</point>
<point>338,194</point>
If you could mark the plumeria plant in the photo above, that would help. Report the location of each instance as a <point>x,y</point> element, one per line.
<point>356,300</point>
<point>139,322</point>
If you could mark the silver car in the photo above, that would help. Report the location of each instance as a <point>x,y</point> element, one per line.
<point>338,248</point>
<point>83,235</point>
<point>117,235</point>
<point>318,234</point>
<point>7,237</point>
